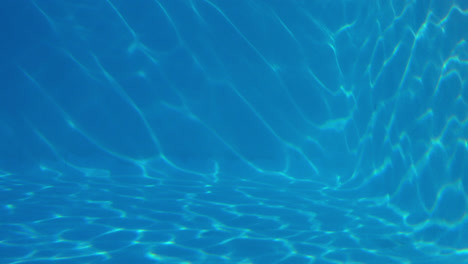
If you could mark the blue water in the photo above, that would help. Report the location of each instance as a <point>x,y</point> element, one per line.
<point>246,131</point>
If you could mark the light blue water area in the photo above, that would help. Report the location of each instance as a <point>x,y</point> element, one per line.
<point>222,131</point>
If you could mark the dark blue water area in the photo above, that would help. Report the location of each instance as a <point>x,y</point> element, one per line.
<point>247,131</point>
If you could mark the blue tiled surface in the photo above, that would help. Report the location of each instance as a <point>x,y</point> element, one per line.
<point>247,131</point>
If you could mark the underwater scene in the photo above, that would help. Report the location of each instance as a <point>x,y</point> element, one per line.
<point>234,131</point>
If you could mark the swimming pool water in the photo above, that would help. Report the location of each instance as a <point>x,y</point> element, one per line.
<point>247,131</point>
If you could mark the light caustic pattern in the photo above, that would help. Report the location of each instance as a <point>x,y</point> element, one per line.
<point>209,131</point>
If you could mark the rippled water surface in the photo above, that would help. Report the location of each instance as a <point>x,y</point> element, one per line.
<point>222,131</point>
